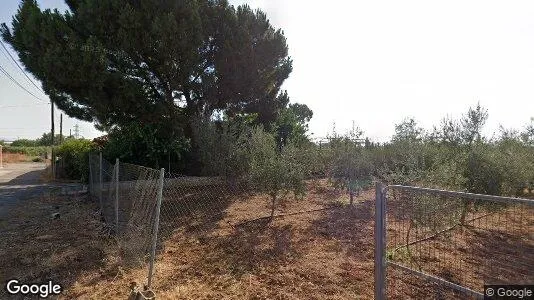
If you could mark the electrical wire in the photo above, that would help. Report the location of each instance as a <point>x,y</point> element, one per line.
<point>17,83</point>
<point>28,105</point>
<point>20,68</point>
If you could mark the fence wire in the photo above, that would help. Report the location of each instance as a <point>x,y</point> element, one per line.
<point>195,204</point>
<point>446,245</point>
<point>127,197</point>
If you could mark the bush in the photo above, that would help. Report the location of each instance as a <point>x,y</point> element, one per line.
<point>483,173</point>
<point>74,155</point>
<point>28,151</point>
<point>516,163</point>
<point>150,145</point>
<point>24,143</point>
<point>222,148</point>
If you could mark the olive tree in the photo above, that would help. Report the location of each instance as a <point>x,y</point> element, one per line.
<point>275,172</point>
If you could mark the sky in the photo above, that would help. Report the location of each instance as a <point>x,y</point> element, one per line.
<point>372,63</point>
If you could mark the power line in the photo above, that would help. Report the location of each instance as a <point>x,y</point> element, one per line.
<point>20,68</point>
<point>27,105</point>
<point>17,83</point>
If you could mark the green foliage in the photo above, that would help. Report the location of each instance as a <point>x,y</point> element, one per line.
<point>407,130</point>
<point>276,172</point>
<point>349,163</point>
<point>515,161</point>
<point>149,62</point>
<point>292,125</point>
<point>472,124</point>
<point>222,147</point>
<point>29,151</point>
<point>448,132</point>
<point>149,145</point>
<point>527,136</point>
<point>25,143</point>
<point>483,173</point>
<point>37,159</point>
<point>46,139</point>
<point>239,151</point>
<point>74,155</point>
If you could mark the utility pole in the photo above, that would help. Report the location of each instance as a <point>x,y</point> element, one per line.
<point>52,138</point>
<point>61,129</point>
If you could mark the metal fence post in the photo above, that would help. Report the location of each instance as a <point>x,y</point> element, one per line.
<point>101,185</point>
<point>380,242</point>
<point>117,195</point>
<point>156,226</point>
<point>90,185</point>
<point>53,160</point>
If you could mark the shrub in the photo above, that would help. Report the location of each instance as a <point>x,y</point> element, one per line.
<point>74,155</point>
<point>275,172</point>
<point>28,151</point>
<point>24,143</point>
<point>222,148</point>
<point>37,159</point>
<point>151,145</point>
<point>482,172</point>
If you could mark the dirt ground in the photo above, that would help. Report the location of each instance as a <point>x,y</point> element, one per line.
<point>324,253</point>
<point>14,158</point>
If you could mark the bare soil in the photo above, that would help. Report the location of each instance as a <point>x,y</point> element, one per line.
<point>14,158</point>
<point>321,248</point>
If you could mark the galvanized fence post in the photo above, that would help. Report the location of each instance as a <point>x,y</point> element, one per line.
<point>117,180</point>
<point>156,226</point>
<point>90,185</point>
<point>380,242</point>
<point>101,185</point>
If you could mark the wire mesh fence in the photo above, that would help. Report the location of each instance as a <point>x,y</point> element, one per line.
<point>195,204</point>
<point>127,195</point>
<point>448,245</point>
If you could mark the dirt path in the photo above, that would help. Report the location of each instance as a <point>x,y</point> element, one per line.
<point>21,173</point>
<point>21,181</point>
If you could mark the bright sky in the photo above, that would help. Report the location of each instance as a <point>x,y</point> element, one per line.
<point>374,63</point>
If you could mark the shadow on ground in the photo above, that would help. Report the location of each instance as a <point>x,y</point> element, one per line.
<point>38,246</point>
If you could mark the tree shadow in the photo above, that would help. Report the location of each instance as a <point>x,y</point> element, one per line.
<point>194,211</point>
<point>37,247</point>
<point>501,257</point>
<point>258,245</point>
<point>31,177</point>
<point>351,226</point>
<point>495,249</point>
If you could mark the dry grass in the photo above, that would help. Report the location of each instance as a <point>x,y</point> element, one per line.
<point>37,248</point>
<point>495,248</point>
<point>326,253</point>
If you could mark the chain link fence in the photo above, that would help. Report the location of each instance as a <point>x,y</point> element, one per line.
<point>434,244</point>
<point>208,212</point>
<point>195,204</point>
<point>129,197</point>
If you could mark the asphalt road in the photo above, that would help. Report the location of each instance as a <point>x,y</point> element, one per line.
<point>22,181</point>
